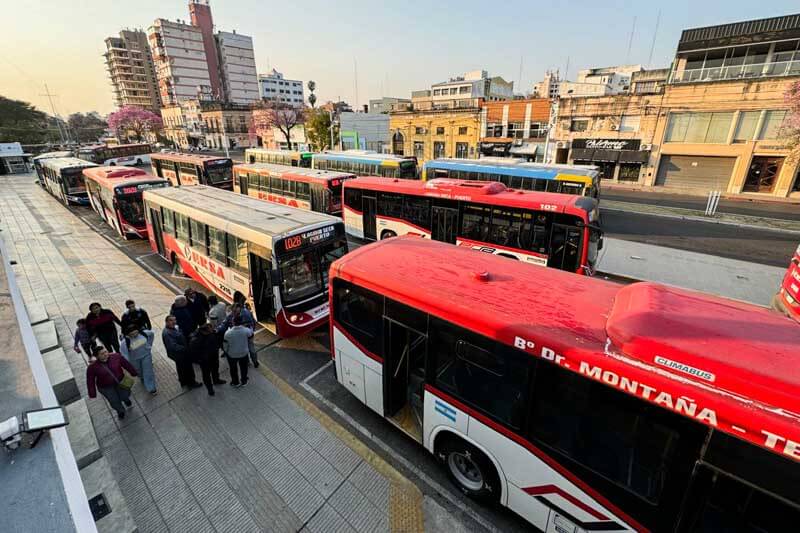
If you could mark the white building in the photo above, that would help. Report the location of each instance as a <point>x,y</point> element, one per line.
<point>180,60</point>
<point>474,84</point>
<point>600,81</point>
<point>273,87</point>
<point>549,86</point>
<point>237,65</point>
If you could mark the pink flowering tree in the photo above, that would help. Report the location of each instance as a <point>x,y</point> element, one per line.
<point>790,130</point>
<point>131,121</point>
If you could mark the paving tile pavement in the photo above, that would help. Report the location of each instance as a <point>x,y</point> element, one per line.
<point>248,459</point>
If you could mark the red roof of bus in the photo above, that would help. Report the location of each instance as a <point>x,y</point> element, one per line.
<point>738,360</point>
<point>305,175</point>
<point>113,176</point>
<point>186,158</point>
<point>488,192</point>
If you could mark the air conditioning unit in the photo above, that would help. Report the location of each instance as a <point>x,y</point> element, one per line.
<point>646,147</point>
<point>613,127</point>
<point>561,144</point>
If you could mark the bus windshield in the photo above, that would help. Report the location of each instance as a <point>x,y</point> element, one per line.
<point>335,187</point>
<point>305,274</point>
<point>219,173</point>
<point>131,209</point>
<point>408,169</point>
<point>73,179</point>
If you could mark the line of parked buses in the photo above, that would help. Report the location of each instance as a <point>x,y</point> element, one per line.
<point>580,404</point>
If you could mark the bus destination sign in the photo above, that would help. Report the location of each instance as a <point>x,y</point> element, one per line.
<point>309,237</point>
<point>133,189</point>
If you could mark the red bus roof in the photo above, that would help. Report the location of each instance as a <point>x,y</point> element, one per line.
<point>307,175</point>
<point>486,192</point>
<point>114,176</point>
<point>730,365</point>
<point>197,159</point>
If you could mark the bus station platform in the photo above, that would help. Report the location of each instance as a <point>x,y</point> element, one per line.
<point>256,458</point>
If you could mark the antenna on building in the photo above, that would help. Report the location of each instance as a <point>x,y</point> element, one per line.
<point>630,41</point>
<point>566,70</point>
<point>355,81</point>
<point>653,45</point>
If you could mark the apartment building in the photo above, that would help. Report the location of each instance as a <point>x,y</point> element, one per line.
<point>131,70</point>
<point>237,67</point>
<point>514,128</point>
<point>386,104</point>
<point>180,60</point>
<point>436,133</point>
<point>549,87</point>
<point>599,81</point>
<point>273,87</point>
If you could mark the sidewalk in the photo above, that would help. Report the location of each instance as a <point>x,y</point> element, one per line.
<point>249,459</point>
<point>740,280</point>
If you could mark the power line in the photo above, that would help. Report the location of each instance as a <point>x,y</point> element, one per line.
<point>630,41</point>
<point>653,45</point>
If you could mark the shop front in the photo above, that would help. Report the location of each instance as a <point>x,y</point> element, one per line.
<point>495,147</point>
<point>617,159</point>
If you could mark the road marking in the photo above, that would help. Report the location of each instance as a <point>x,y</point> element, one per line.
<point>446,493</point>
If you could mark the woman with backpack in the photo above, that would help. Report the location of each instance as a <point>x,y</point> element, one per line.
<point>106,373</point>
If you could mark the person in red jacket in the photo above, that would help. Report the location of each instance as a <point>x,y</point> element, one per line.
<point>104,374</point>
<point>100,324</point>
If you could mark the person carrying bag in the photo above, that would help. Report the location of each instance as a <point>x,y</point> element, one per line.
<point>112,375</point>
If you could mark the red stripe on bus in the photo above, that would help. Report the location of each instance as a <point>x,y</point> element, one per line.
<point>355,342</point>
<point>552,463</point>
<point>554,489</point>
<point>403,221</point>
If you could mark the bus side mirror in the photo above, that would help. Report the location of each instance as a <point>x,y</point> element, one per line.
<point>274,277</point>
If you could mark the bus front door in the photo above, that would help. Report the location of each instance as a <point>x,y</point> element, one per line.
<point>262,287</point>
<point>155,216</point>
<point>444,224</point>
<point>565,248</point>
<point>369,206</point>
<point>404,377</point>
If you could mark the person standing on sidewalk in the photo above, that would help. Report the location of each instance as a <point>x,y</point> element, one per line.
<point>137,348</point>
<point>177,347</point>
<point>184,316</point>
<point>236,349</point>
<point>83,339</point>
<point>100,323</point>
<point>204,347</point>
<point>135,315</point>
<point>105,374</point>
<point>198,304</point>
<point>216,311</point>
<point>238,310</point>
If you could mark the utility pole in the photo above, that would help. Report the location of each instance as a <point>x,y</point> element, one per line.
<point>55,114</point>
<point>225,135</point>
<point>653,44</point>
<point>630,41</point>
<point>330,129</point>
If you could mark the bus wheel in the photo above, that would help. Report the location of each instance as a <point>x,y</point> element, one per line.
<point>177,269</point>
<point>388,234</point>
<point>112,164</point>
<point>470,469</point>
<point>138,161</point>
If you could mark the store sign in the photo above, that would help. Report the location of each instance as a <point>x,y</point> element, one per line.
<point>607,144</point>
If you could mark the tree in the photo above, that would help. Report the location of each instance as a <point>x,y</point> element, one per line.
<point>312,98</point>
<point>790,130</point>
<point>280,116</point>
<point>86,128</point>
<point>134,121</point>
<point>318,130</point>
<point>22,122</point>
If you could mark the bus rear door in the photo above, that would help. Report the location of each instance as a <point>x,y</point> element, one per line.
<point>369,210</point>
<point>444,224</point>
<point>155,217</point>
<point>260,272</point>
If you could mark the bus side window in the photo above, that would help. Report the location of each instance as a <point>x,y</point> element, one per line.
<point>390,205</point>
<point>169,221</point>
<point>540,233</point>
<point>505,227</point>
<point>352,198</point>
<point>491,377</point>
<point>197,235</point>
<point>417,211</point>
<point>358,311</point>
<point>303,191</point>
<point>475,222</point>
<point>637,454</point>
<point>253,181</point>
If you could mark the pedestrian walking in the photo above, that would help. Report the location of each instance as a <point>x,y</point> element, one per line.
<point>83,339</point>
<point>135,315</point>
<point>204,347</point>
<point>106,373</point>
<point>238,310</point>
<point>100,324</point>
<point>198,304</point>
<point>137,348</point>
<point>184,316</point>
<point>216,311</point>
<point>177,347</point>
<point>235,346</point>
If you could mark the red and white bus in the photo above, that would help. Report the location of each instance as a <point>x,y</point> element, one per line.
<point>581,404</point>
<point>548,229</point>
<point>122,154</point>
<point>314,190</point>
<point>194,169</point>
<point>279,257</point>
<point>115,193</point>
<point>788,298</point>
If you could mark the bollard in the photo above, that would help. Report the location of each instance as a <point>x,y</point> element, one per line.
<point>713,202</point>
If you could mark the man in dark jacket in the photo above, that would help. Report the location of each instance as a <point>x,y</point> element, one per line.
<point>135,316</point>
<point>248,321</point>
<point>184,316</point>
<point>177,348</point>
<point>100,325</point>
<point>204,348</point>
<point>198,304</point>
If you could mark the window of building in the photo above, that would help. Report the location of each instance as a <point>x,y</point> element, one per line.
<point>462,150</point>
<point>439,130</point>
<point>515,130</point>
<point>462,130</point>
<point>699,127</point>
<point>579,125</point>
<point>538,130</point>
<point>419,130</point>
<point>746,128</point>
<point>629,123</point>
<point>453,90</point>
<point>359,312</point>
<point>773,120</point>
<point>438,150</point>
<point>437,92</point>
<point>464,89</point>
<point>419,150</point>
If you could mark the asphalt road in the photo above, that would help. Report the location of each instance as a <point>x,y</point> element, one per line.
<point>766,209</point>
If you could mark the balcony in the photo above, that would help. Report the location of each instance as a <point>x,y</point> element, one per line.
<point>737,72</point>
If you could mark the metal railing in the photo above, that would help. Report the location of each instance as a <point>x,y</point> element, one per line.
<point>737,72</point>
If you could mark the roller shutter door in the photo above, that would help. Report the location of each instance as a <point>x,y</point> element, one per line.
<point>695,172</point>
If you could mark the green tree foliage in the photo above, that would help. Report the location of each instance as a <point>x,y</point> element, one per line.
<point>87,127</point>
<point>318,130</point>
<point>22,122</point>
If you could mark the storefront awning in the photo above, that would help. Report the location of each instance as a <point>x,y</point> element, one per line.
<point>610,156</point>
<point>582,154</point>
<point>634,156</point>
<point>525,149</point>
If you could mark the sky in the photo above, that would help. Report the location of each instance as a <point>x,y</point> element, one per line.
<point>393,47</point>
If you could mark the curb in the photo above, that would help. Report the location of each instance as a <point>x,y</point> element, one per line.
<point>406,512</point>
